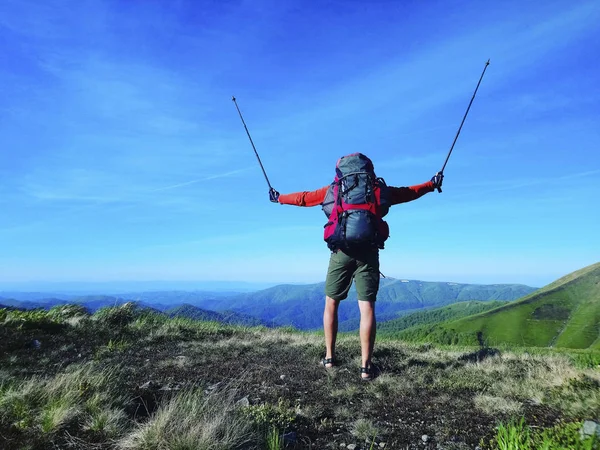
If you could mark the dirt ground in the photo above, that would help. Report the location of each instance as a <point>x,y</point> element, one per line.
<point>402,403</point>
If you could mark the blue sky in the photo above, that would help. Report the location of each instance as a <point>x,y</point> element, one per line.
<point>123,157</point>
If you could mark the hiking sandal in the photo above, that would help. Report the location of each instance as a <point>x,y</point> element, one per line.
<point>368,371</point>
<point>326,361</point>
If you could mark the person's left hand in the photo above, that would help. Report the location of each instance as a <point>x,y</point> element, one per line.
<point>273,195</point>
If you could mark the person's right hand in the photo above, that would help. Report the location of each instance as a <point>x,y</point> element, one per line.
<point>273,195</point>
<point>437,180</point>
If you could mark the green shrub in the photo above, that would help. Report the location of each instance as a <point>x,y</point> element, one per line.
<point>70,398</point>
<point>64,312</point>
<point>106,421</point>
<point>268,416</point>
<point>516,435</point>
<point>146,321</point>
<point>513,436</point>
<point>565,436</point>
<point>586,360</point>
<point>15,407</point>
<point>113,346</point>
<point>274,439</point>
<point>121,315</point>
<point>580,396</point>
<point>364,430</point>
<point>58,413</point>
<point>32,319</point>
<point>192,420</point>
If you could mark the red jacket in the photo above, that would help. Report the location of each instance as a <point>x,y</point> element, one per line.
<point>396,195</point>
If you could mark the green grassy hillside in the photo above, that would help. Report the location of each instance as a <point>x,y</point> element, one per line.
<point>565,313</point>
<point>437,315</point>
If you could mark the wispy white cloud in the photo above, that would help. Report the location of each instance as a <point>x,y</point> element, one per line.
<point>208,178</point>
<point>76,193</point>
<point>100,187</point>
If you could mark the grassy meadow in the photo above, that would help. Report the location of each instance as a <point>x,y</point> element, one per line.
<point>128,378</point>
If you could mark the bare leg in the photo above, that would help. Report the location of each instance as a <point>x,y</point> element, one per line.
<point>368,330</point>
<point>330,326</point>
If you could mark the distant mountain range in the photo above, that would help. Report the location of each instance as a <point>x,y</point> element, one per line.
<point>565,313</point>
<point>228,317</point>
<point>125,287</point>
<point>158,299</point>
<point>300,306</point>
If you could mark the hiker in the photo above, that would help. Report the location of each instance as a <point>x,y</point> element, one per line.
<point>355,204</point>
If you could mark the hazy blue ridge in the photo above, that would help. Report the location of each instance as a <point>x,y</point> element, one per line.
<point>44,303</point>
<point>33,296</point>
<point>228,317</point>
<point>120,288</point>
<point>300,306</point>
<point>163,296</point>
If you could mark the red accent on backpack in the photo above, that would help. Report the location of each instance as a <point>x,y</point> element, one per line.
<point>355,207</point>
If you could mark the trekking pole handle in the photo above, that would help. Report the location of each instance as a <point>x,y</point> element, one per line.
<point>437,179</point>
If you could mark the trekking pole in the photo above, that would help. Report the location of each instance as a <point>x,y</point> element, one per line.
<point>255,152</point>
<point>463,121</point>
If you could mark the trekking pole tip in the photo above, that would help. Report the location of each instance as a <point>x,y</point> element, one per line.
<point>488,62</point>
<point>233,98</point>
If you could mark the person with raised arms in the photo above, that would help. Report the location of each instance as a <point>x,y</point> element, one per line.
<point>355,204</point>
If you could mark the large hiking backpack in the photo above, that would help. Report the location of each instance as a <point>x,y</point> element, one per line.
<point>355,203</point>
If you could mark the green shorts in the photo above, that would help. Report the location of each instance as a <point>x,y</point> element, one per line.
<point>364,269</point>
